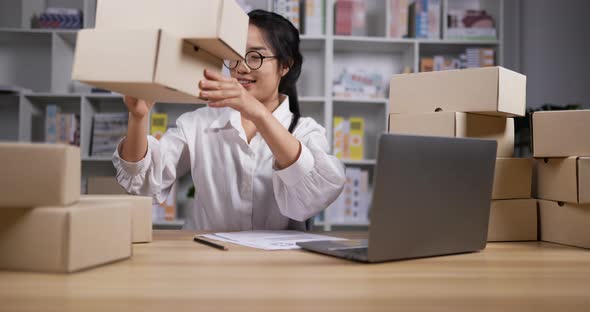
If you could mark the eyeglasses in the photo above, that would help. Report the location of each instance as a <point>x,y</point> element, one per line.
<point>253,59</point>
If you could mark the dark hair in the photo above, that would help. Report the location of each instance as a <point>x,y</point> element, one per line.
<point>283,38</point>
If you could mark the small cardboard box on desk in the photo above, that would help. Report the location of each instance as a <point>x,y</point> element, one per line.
<point>65,238</point>
<point>161,55</point>
<point>44,225</point>
<point>141,213</point>
<point>562,148</point>
<point>39,174</point>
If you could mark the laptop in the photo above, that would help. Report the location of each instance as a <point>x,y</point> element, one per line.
<point>431,197</point>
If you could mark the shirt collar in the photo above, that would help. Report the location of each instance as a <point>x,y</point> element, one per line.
<point>233,117</point>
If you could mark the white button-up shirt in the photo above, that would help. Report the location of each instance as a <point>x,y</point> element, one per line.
<point>237,186</point>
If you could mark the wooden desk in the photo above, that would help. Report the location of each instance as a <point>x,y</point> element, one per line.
<point>175,274</point>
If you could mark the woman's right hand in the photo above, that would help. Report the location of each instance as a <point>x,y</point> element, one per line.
<point>138,108</point>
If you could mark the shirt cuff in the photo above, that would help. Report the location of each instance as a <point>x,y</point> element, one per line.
<point>133,168</point>
<point>299,169</point>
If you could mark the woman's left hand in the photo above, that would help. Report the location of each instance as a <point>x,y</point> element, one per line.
<point>223,91</point>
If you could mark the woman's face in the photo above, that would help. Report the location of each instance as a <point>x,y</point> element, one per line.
<point>262,83</point>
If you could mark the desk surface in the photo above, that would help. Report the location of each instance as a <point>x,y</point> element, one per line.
<point>175,274</point>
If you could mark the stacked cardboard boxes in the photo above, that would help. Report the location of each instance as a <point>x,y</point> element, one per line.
<point>45,225</point>
<point>474,103</point>
<point>562,167</point>
<point>162,53</point>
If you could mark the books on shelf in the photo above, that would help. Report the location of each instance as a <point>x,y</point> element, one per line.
<point>424,19</point>
<point>470,24</point>
<point>350,18</point>
<point>434,19</point>
<point>158,124</point>
<point>107,130</point>
<point>61,127</point>
<point>417,20</point>
<point>398,26</point>
<point>352,206</point>
<point>60,18</point>
<point>313,17</point>
<point>352,82</point>
<point>472,58</point>
<point>51,112</point>
<point>289,9</point>
<point>166,211</point>
<point>349,138</point>
<point>308,16</point>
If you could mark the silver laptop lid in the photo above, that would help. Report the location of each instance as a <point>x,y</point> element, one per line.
<point>432,196</point>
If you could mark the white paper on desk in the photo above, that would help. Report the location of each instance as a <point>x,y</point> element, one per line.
<point>268,240</point>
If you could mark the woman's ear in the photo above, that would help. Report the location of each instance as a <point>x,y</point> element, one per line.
<point>285,69</point>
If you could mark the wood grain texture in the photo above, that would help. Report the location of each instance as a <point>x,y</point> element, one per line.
<point>175,274</point>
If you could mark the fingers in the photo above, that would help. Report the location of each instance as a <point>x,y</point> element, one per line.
<point>211,85</point>
<point>219,94</point>
<point>211,75</point>
<point>130,100</point>
<point>221,103</point>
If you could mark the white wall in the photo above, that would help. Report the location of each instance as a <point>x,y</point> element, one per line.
<point>549,41</point>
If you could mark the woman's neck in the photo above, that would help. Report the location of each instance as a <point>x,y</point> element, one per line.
<point>273,102</point>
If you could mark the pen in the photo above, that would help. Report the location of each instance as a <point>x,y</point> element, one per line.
<point>208,243</point>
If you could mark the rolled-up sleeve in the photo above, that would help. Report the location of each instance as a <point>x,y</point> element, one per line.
<point>155,174</point>
<point>313,182</point>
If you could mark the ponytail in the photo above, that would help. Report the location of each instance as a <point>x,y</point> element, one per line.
<point>283,38</point>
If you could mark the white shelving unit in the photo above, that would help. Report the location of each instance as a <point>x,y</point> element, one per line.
<point>41,61</point>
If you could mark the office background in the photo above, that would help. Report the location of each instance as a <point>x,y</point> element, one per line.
<point>547,40</point>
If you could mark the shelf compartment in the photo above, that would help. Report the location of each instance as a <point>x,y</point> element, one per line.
<point>375,122</point>
<point>9,117</point>
<point>34,107</point>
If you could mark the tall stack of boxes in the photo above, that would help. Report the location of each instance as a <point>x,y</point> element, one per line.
<point>561,148</point>
<point>157,50</point>
<point>47,226</point>
<point>474,103</point>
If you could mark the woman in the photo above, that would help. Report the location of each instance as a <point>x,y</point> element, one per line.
<point>255,163</point>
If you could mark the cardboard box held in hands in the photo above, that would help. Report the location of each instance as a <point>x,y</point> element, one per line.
<point>149,64</point>
<point>219,27</point>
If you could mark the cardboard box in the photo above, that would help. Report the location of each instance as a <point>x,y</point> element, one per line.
<point>564,223</point>
<point>104,186</point>
<point>513,178</point>
<point>141,213</point>
<point>39,174</point>
<point>490,91</point>
<point>149,64</point>
<point>65,239</point>
<point>561,133</point>
<point>217,26</point>
<point>563,179</point>
<point>458,125</point>
<point>513,220</point>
